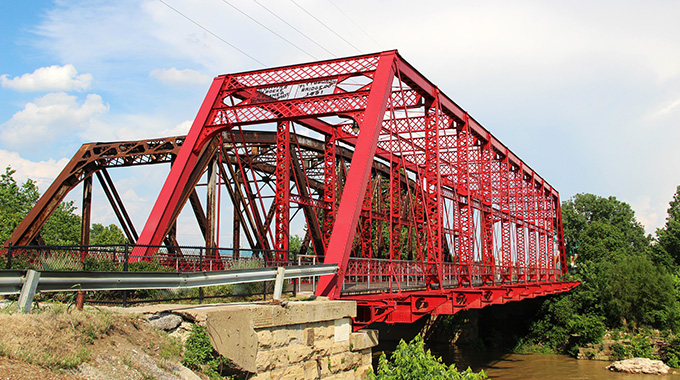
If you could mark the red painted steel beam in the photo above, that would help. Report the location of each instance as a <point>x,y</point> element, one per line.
<point>357,178</point>
<point>160,218</point>
<point>408,307</point>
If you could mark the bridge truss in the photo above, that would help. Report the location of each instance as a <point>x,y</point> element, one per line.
<point>422,209</point>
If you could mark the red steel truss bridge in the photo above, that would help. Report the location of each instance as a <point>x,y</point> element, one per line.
<point>422,209</point>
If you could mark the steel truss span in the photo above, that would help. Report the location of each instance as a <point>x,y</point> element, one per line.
<point>419,206</point>
<point>456,204</point>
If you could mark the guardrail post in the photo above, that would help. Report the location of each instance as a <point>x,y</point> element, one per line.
<point>200,269</point>
<point>126,259</point>
<point>278,285</point>
<point>28,290</point>
<point>9,256</point>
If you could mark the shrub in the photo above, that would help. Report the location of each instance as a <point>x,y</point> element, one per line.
<point>673,353</point>
<point>641,347</point>
<point>200,355</point>
<point>411,361</point>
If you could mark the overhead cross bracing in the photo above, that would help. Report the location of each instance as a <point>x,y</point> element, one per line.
<point>422,209</point>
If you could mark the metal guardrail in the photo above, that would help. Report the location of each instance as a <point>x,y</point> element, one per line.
<point>26,283</point>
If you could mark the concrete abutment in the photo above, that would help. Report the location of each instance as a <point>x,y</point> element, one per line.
<point>293,340</point>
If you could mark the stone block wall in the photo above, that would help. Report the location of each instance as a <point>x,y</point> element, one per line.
<point>316,350</point>
<point>296,340</point>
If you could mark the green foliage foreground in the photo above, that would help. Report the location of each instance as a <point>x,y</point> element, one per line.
<point>199,354</point>
<point>411,362</point>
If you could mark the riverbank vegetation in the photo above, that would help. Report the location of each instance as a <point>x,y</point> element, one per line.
<point>630,284</point>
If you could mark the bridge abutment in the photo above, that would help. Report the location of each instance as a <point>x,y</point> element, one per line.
<point>294,340</point>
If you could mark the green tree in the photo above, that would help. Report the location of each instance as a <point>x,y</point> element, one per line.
<point>109,235</point>
<point>15,202</point>
<point>61,228</point>
<point>623,281</point>
<point>668,237</point>
<point>587,218</point>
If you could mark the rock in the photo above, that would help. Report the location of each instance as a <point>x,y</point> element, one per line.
<point>182,332</point>
<point>640,365</point>
<point>165,322</point>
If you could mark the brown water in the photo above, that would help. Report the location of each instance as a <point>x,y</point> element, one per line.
<point>536,366</point>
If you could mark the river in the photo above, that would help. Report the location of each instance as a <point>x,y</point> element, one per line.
<point>536,366</point>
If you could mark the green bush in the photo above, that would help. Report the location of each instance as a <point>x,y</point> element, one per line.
<point>411,362</point>
<point>93,264</point>
<point>149,266</point>
<point>641,347</point>
<point>673,353</point>
<point>200,355</point>
<point>621,351</point>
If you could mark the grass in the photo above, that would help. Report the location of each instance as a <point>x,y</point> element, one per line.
<point>53,337</point>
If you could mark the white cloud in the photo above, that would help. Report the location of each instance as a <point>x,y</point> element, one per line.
<point>128,127</point>
<point>131,196</point>
<point>175,76</point>
<point>664,110</point>
<point>180,129</point>
<point>595,92</point>
<point>49,116</point>
<point>51,78</point>
<point>42,172</point>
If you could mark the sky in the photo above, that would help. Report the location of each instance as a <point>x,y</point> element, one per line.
<point>587,93</point>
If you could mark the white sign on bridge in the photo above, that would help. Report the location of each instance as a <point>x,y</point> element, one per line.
<point>298,90</point>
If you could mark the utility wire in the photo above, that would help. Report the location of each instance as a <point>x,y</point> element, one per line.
<point>294,28</point>
<point>213,34</point>
<point>326,26</point>
<point>266,27</point>
<point>357,25</point>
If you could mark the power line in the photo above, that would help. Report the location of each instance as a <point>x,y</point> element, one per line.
<point>357,25</point>
<point>266,27</point>
<point>213,34</point>
<point>294,28</point>
<point>326,26</point>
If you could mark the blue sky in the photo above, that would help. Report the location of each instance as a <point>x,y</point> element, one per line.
<point>586,93</point>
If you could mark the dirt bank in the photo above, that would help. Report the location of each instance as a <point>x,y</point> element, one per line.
<point>57,342</point>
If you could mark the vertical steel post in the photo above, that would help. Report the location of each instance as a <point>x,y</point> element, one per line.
<point>87,212</point>
<point>366,225</point>
<point>282,196</point>
<point>487,248</point>
<point>530,204</point>
<point>395,211</point>
<point>236,243</point>
<point>560,234</point>
<point>506,239</point>
<point>542,242</point>
<point>126,257</point>
<point>520,234</point>
<point>211,197</point>
<point>330,186</point>
<point>464,202</point>
<point>433,195</point>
